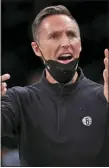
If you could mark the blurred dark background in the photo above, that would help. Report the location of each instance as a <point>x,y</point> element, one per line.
<point>18,58</point>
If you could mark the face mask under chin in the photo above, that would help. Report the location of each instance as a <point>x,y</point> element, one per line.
<point>62,73</point>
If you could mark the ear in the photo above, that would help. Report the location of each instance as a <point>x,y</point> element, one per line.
<point>80,46</point>
<point>36,49</point>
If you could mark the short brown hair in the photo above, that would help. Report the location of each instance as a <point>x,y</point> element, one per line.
<point>51,10</point>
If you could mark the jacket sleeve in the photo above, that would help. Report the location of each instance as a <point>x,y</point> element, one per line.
<point>105,151</point>
<point>105,156</point>
<point>107,159</point>
<point>10,113</point>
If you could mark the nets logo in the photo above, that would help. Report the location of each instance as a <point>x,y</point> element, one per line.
<point>87,121</point>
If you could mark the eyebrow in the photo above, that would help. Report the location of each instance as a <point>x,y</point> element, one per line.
<point>58,32</point>
<point>54,32</point>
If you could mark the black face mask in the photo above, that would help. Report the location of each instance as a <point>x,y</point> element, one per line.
<point>63,73</point>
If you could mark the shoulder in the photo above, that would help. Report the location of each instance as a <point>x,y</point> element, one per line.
<point>94,89</point>
<point>25,89</point>
<point>92,85</point>
<point>23,92</point>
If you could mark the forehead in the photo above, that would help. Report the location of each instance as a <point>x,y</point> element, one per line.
<point>57,23</point>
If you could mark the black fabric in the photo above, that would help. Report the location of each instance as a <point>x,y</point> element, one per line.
<point>63,73</point>
<point>47,118</point>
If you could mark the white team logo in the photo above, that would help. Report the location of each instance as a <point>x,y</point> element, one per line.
<point>87,121</point>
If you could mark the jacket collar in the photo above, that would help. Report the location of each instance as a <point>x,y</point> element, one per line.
<point>59,89</point>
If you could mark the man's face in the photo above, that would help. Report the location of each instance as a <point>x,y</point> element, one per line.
<point>59,39</point>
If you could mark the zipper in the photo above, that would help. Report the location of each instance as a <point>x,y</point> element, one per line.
<point>58,114</point>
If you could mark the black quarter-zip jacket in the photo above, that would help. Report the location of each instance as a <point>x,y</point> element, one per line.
<point>58,125</point>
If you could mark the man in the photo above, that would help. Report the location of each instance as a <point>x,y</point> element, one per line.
<point>62,120</point>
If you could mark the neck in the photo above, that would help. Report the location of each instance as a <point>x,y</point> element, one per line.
<point>52,80</point>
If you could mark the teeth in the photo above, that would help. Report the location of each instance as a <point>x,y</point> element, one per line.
<point>66,55</point>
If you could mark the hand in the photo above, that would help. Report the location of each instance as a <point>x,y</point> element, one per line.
<point>3,84</point>
<point>106,74</point>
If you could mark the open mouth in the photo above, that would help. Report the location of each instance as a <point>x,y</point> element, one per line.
<point>66,58</point>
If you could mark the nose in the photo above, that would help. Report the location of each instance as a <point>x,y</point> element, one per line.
<point>65,42</point>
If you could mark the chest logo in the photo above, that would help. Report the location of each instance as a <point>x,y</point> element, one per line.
<point>87,121</point>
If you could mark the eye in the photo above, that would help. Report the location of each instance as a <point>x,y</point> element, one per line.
<point>55,36</point>
<point>71,34</point>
